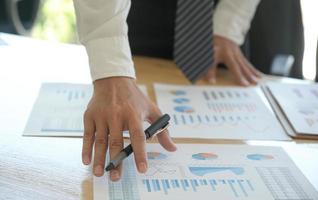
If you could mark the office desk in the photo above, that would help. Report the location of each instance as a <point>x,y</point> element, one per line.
<point>50,168</point>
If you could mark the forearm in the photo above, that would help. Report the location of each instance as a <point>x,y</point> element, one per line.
<point>232,19</point>
<point>102,29</point>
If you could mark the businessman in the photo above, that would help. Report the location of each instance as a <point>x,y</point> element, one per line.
<point>117,104</point>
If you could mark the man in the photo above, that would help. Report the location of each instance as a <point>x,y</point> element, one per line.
<point>117,103</point>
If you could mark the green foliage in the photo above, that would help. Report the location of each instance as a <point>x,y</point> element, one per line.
<point>56,21</point>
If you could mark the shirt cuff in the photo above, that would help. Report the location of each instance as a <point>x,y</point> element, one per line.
<point>109,57</point>
<point>232,19</point>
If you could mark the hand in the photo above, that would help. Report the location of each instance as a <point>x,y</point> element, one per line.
<point>229,53</point>
<point>117,105</point>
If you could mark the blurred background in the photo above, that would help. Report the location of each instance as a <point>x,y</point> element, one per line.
<point>54,20</point>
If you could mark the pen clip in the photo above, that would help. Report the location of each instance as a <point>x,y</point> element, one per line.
<point>165,127</point>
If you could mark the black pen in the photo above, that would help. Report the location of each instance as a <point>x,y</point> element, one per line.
<point>155,128</point>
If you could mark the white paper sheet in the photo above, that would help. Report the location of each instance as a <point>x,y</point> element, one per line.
<point>59,108</point>
<point>209,172</point>
<point>299,103</point>
<point>219,112</point>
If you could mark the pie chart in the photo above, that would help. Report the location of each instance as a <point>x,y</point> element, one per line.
<point>178,92</point>
<point>204,156</point>
<point>184,109</point>
<point>181,100</point>
<point>259,157</point>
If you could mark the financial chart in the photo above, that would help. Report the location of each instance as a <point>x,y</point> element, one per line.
<point>59,109</point>
<point>299,103</point>
<point>210,172</point>
<point>219,112</point>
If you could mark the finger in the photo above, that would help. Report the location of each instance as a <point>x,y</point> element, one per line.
<point>116,144</point>
<point>246,72</point>
<point>100,148</point>
<point>211,75</point>
<point>88,139</point>
<point>257,73</point>
<point>163,137</point>
<point>235,68</point>
<point>138,142</point>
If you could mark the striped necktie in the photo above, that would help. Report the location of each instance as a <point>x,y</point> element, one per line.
<point>193,48</point>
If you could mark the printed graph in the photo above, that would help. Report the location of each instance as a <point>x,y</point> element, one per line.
<point>201,171</point>
<point>231,107</point>
<point>184,109</point>
<point>156,155</point>
<point>72,95</point>
<point>126,189</point>
<point>204,156</point>
<point>260,157</point>
<point>237,187</point>
<point>225,94</point>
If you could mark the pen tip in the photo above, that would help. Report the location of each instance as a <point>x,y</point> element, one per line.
<point>109,167</point>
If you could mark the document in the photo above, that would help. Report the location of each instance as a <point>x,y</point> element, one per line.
<point>219,112</point>
<point>205,172</point>
<point>59,109</point>
<point>299,103</point>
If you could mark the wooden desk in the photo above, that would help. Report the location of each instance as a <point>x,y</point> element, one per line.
<point>50,168</point>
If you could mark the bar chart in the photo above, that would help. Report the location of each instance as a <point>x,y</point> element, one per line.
<point>237,187</point>
<point>218,112</point>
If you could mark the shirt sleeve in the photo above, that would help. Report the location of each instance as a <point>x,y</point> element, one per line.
<point>232,18</point>
<point>103,30</point>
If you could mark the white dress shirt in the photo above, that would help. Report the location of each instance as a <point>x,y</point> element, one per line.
<point>103,30</point>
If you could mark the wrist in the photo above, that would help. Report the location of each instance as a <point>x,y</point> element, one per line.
<point>106,84</point>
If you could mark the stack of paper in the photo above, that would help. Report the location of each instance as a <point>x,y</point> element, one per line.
<point>297,107</point>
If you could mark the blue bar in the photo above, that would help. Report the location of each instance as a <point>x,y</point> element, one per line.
<point>175,119</point>
<point>183,185</point>
<point>177,183</point>
<point>242,187</point>
<point>232,187</point>
<point>215,118</point>
<point>205,182</point>
<point>146,182</point>
<point>191,118</point>
<point>167,183</point>
<point>193,185</point>
<point>76,95</point>
<point>214,182</point>
<point>212,185</point>
<point>158,185</point>
<point>70,96</point>
<point>196,183</point>
<point>249,184</point>
<point>186,183</point>
<point>173,183</point>
<point>164,187</point>
<point>199,118</point>
<point>207,118</point>
<point>222,181</point>
<point>154,185</point>
<point>183,119</point>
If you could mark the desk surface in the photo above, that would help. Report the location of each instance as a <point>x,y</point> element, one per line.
<point>51,168</point>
